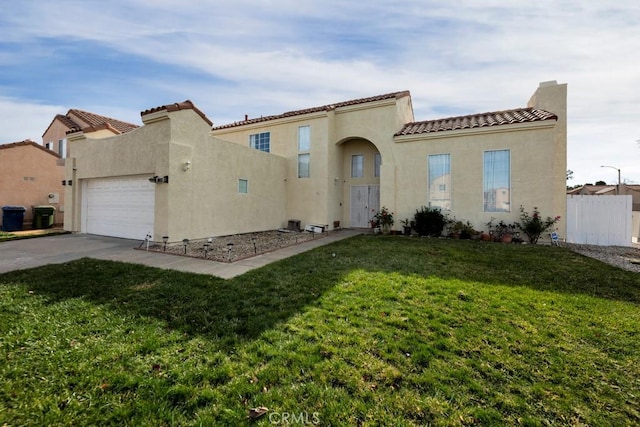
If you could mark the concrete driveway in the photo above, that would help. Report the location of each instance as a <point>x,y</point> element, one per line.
<point>36,252</point>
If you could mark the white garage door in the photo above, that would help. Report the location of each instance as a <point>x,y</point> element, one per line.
<point>120,207</point>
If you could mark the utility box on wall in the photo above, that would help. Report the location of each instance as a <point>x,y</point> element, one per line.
<point>54,197</point>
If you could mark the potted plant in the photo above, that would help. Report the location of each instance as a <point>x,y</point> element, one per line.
<point>455,228</point>
<point>501,232</point>
<point>384,219</point>
<point>406,226</point>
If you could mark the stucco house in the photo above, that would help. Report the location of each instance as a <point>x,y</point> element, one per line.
<point>179,176</point>
<point>55,136</point>
<point>30,176</point>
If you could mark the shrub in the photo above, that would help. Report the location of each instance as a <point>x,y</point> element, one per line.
<point>533,225</point>
<point>428,221</point>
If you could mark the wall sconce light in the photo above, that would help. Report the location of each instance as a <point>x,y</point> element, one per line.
<point>186,166</point>
<point>159,179</point>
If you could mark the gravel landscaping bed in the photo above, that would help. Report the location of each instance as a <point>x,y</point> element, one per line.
<point>243,245</point>
<point>252,244</point>
<point>627,258</point>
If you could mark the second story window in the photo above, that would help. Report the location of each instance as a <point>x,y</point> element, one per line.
<point>357,166</point>
<point>260,141</point>
<point>62,148</point>
<point>304,146</point>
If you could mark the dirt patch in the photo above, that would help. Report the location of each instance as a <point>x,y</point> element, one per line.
<point>235,247</point>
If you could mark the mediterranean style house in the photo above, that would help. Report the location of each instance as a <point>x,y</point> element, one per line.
<point>30,176</point>
<point>334,165</point>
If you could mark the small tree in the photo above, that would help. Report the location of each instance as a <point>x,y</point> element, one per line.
<point>428,222</point>
<point>533,225</point>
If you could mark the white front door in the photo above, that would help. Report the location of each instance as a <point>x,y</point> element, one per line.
<point>119,207</point>
<point>365,201</point>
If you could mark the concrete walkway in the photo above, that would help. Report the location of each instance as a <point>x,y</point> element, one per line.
<point>36,252</point>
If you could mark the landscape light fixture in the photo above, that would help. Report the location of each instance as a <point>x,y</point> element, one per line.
<point>185,242</point>
<point>229,249</point>
<point>165,239</point>
<point>613,167</point>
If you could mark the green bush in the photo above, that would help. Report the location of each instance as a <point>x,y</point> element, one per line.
<point>429,221</point>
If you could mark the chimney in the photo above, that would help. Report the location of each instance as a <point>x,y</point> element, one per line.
<point>246,117</point>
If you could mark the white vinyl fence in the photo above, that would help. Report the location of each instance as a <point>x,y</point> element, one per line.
<point>599,220</point>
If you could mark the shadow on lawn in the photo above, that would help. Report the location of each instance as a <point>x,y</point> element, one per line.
<point>242,308</point>
<point>228,310</point>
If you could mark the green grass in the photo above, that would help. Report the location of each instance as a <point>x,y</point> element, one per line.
<point>369,331</point>
<point>4,236</point>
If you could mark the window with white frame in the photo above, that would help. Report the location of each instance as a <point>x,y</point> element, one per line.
<point>48,145</point>
<point>377,161</point>
<point>304,156</point>
<point>243,186</point>
<point>260,141</point>
<point>62,148</point>
<point>357,166</point>
<point>497,181</point>
<point>439,185</point>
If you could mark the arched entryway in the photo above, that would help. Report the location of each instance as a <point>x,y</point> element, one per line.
<point>361,162</point>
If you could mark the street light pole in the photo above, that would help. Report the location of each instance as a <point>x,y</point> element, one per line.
<point>612,167</point>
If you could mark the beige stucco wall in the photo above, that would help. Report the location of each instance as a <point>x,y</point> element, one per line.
<point>204,201</point>
<point>28,174</point>
<point>538,165</point>
<point>531,164</point>
<point>200,202</point>
<point>324,197</point>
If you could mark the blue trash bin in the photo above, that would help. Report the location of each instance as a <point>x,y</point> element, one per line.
<point>12,218</point>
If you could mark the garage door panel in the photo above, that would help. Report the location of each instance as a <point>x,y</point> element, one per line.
<point>120,207</point>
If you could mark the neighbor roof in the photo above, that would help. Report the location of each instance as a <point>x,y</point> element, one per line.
<point>95,121</point>
<point>327,107</point>
<point>28,142</point>
<point>496,118</point>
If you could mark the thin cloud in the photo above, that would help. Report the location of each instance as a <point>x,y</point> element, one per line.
<point>265,57</point>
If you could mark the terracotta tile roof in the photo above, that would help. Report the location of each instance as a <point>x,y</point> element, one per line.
<point>496,118</point>
<point>327,107</point>
<point>68,122</point>
<point>95,120</point>
<point>185,105</point>
<point>28,142</point>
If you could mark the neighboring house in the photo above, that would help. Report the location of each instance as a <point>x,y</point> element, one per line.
<point>335,164</point>
<point>55,137</point>
<point>30,176</point>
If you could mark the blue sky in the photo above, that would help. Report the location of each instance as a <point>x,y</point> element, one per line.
<point>264,57</point>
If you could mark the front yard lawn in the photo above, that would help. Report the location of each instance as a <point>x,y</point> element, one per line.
<point>373,330</point>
